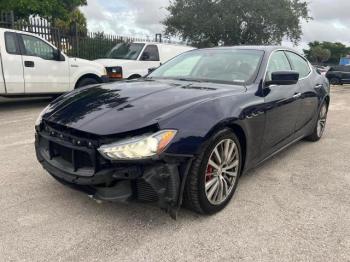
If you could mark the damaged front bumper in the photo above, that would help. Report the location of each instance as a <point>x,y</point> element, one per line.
<point>75,162</point>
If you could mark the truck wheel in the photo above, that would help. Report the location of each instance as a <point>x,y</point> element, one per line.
<point>86,82</point>
<point>334,81</point>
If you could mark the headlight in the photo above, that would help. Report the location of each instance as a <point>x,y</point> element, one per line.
<point>138,147</point>
<point>40,117</point>
<point>115,72</point>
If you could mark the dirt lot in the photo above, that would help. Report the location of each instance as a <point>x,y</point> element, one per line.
<point>296,207</point>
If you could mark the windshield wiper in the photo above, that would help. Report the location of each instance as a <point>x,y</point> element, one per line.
<point>190,80</point>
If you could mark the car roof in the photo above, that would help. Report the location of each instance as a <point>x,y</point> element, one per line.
<point>268,48</point>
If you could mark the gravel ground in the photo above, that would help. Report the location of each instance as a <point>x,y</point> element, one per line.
<point>295,207</point>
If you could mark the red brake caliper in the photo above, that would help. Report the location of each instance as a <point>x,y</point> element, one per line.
<point>209,173</point>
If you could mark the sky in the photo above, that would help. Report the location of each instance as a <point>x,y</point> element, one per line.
<point>142,18</point>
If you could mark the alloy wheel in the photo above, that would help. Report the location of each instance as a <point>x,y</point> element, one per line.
<point>321,124</point>
<point>221,171</point>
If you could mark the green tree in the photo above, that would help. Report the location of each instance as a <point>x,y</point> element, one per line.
<point>337,50</point>
<point>234,22</point>
<point>318,54</point>
<point>44,8</point>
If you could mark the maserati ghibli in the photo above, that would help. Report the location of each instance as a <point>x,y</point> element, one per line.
<point>186,132</point>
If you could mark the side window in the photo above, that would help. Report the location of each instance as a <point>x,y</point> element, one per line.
<point>151,53</point>
<point>11,43</point>
<point>299,64</point>
<point>278,62</point>
<point>34,46</point>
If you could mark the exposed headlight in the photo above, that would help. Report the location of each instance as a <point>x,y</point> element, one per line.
<point>40,117</point>
<point>115,72</point>
<point>138,147</point>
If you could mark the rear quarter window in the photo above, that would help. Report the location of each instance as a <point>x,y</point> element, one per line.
<point>11,43</point>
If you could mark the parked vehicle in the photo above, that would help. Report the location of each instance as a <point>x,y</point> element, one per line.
<point>30,66</point>
<point>189,129</point>
<point>133,60</point>
<point>338,75</point>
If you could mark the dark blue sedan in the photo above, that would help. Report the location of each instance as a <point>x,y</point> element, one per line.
<point>187,131</point>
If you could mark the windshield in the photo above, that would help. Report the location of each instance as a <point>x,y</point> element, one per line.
<point>237,66</point>
<point>129,51</point>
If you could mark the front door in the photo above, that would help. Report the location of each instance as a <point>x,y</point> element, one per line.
<point>42,72</point>
<point>281,106</point>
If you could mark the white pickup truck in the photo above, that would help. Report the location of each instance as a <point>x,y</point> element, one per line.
<point>30,65</point>
<point>134,60</point>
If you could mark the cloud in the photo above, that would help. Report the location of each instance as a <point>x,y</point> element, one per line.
<point>129,17</point>
<point>143,18</point>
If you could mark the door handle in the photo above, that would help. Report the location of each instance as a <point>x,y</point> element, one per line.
<point>297,95</point>
<point>28,63</point>
<point>318,86</point>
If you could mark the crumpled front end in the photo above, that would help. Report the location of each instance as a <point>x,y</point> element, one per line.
<point>72,158</point>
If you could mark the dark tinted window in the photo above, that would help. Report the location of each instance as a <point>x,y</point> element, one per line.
<point>11,43</point>
<point>36,47</point>
<point>278,62</point>
<point>151,53</point>
<point>299,64</point>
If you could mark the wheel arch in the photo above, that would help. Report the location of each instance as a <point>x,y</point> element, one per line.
<point>94,76</point>
<point>134,76</point>
<point>327,99</point>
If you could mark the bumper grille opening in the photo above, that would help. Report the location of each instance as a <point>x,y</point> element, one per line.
<point>144,192</point>
<point>79,160</point>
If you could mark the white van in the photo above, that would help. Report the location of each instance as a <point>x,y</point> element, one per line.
<point>133,60</point>
<point>30,65</point>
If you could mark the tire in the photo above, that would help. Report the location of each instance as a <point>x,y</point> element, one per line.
<point>334,81</point>
<point>197,198</point>
<point>320,124</point>
<point>87,81</point>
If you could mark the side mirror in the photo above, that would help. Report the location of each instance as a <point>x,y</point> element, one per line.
<point>59,56</point>
<point>283,78</point>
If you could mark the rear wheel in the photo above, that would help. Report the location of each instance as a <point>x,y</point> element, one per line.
<point>320,125</point>
<point>214,174</point>
<point>87,81</point>
<point>334,81</point>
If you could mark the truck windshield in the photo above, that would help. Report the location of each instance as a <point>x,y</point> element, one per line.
<point>128,51</point>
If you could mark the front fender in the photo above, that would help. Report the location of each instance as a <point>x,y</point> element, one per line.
<point>197,124</point>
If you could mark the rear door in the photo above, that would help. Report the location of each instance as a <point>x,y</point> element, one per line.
<point>345,74</point>
<point>12,65</point>
<point>281,106</point>
<point>308,84</point>
<point>42,72</point>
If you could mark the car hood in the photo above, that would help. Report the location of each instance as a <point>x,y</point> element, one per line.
<point>126,106</point>
<point>73,61</point>
<point>107,62</point>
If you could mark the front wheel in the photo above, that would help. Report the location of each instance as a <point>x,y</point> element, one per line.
<point>214,174</point>
<point>320,125</point>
